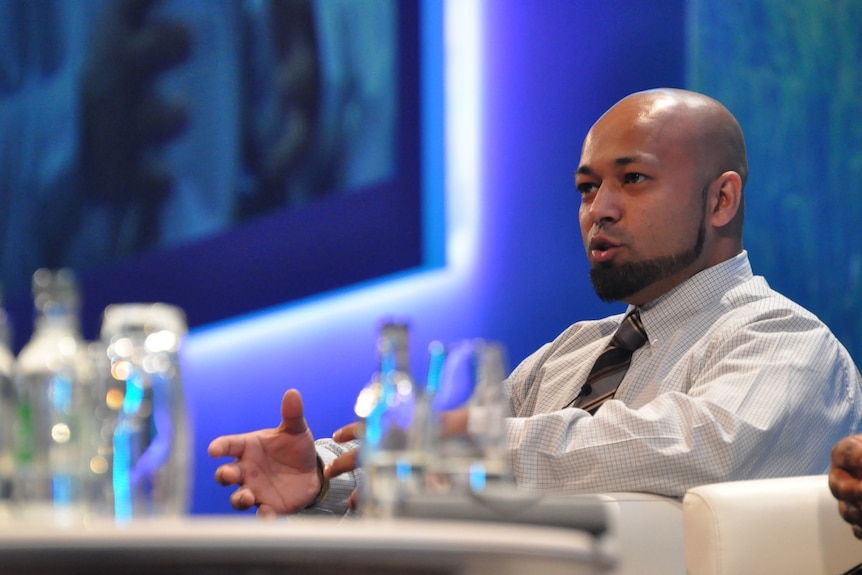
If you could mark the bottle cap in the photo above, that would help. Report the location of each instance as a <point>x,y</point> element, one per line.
<point>146,317</point>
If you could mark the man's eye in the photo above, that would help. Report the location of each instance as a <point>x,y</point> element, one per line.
<point>634,178</point>
<point>586,188</point>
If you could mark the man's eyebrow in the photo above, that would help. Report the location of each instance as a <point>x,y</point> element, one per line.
<point>626,160</point>
<point>619,162</point>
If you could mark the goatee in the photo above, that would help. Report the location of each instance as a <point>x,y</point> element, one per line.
<point>615,282</point>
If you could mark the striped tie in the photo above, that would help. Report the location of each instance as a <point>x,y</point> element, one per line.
<point>611,366</point>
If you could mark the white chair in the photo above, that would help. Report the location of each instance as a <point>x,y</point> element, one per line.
<point>645,533</point>
<point>787,525</point>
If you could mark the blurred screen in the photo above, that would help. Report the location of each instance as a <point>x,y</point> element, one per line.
<point>222,155</point>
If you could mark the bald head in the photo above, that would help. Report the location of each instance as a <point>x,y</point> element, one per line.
<point>699,123</point>
<point>699,127</point>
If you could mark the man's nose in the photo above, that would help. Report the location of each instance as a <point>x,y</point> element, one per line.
<point>605,205</point>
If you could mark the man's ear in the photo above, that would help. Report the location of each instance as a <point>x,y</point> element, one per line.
<point>725,197</point>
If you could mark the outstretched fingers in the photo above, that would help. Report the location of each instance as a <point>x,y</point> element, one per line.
<point>274,469</point>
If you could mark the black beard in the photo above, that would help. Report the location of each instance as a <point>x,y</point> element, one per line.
<point>617,282</point>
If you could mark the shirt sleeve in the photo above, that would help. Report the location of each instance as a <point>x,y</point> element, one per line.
<point>340,487</point>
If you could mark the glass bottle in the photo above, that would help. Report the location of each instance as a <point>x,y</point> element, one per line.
<point>489,406</point>
<point>55,431</point>
<point>391,464</point>
<point>147,429</point>
<point>471,377</point>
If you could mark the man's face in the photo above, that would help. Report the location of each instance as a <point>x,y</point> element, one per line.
<point>642,207</point>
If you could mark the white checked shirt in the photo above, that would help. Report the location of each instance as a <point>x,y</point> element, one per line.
<point>736,382</point>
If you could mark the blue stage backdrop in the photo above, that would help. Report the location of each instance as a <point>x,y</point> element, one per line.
<point>790,72</point>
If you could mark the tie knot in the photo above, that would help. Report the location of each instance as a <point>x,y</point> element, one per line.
<point>631,334</point>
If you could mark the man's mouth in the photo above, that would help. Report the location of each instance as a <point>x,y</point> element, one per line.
<point>602,250</point>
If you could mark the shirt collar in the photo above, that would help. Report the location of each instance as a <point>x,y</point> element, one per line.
<point>704,289</point>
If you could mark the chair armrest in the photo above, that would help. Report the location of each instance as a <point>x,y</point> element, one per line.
<point>786,525</point>
<point>645,533</point>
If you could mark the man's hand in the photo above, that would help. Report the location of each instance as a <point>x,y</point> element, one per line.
<point>453,423</point>
<point>276,469</point>
<point>348,461</point>
<point>125,119</point>
<point>845,480</point>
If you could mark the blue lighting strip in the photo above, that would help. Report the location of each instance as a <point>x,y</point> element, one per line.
<point>433,205</point>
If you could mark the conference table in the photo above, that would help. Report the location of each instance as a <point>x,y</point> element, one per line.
<point>245,545</point>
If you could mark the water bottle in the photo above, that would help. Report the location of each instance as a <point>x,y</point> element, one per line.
<point>471,376</point>
<point>147,429</point>
<point>391,463</point>
<point>55,444</point>
<point>489,407</point>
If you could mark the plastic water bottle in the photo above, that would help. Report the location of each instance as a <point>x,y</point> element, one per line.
<point>146,431</point>
<point>55,452</point>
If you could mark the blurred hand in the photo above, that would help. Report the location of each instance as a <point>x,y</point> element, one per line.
<point>845,480</point>
<point>276,469</point>
<point>124,119</point>
<point>281,146</point>
<point>454,422</point>
<point>348,461</point>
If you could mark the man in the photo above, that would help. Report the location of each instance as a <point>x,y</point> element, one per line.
<point>845,480</point>
<point>734,380</point>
